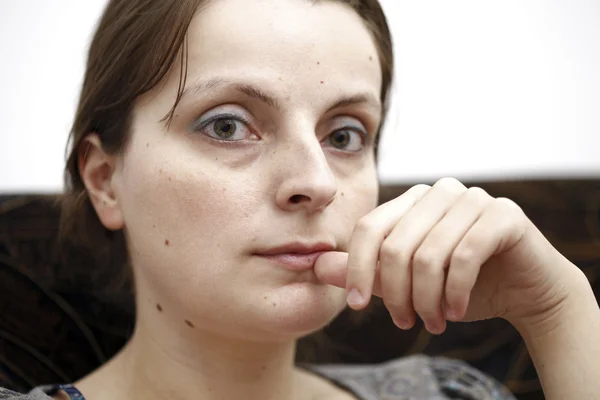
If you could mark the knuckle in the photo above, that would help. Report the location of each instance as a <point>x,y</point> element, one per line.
<point>450,184</point>
<point>477,193</point>
<point>510,214</point>
<point>509,206</point>
<point>420,188</point>
<point>366,226</point>
<point>390,253</point>
<point>426,259</point>
<point>461,256</point>
<point>454,288</point>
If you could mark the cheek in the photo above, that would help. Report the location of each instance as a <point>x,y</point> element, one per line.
<point>362,190</point>
<point>356,198</point>
<point>183,203</point>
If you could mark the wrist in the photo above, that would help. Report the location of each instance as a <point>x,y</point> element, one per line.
<point>575,301</point>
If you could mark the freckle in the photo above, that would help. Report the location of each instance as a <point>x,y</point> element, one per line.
<point>216,158</point>
<point>322,82</point>
<point>265,297</point>
<point>160,171</point>
<point>370,58</point>
<point>189,323</point>
<point>264,368</point>
<point>169,179</point>
<point>147,144</point>
<point>274,304</point>
<point>166,242</point>
<point>343,194</point>
<point>318,63</point>
<point>158,307</point>
<point>280,78</point>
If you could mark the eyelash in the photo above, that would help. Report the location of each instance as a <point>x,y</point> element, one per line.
<point>240,118</point>
<point>235,117</point>
<point>363,135</point>
<point>203,125</point>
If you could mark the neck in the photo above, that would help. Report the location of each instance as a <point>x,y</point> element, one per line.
<point>196,364</point>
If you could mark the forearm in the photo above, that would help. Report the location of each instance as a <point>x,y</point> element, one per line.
<point>565,348</point>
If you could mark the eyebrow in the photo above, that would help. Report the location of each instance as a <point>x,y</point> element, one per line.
<point>201,87</point>
<point>367,99</point>
<point>249,90</point>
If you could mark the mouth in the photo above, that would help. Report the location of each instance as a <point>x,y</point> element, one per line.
<point>296,256</point>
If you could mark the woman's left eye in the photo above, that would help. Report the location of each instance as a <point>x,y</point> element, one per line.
<point>346,139</point>
<point>227,128</point>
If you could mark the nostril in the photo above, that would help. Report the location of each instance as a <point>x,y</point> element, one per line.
<point>297,198</point>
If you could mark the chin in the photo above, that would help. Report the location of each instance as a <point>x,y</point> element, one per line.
<point>296,310</point>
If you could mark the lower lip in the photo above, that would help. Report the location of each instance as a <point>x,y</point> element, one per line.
<point>294,261</point>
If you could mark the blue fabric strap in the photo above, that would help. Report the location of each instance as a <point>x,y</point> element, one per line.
<point>71,391</point>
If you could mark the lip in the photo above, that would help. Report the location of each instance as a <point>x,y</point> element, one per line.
<point>296,256</point>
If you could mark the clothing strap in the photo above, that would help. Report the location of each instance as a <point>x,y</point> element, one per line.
<point>70,390</point>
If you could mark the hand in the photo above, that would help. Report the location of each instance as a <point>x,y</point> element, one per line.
<point>450,253</point>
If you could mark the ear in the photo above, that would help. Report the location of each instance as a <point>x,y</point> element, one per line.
<point>96,169</point>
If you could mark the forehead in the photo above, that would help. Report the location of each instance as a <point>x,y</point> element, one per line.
<point>324,42</point>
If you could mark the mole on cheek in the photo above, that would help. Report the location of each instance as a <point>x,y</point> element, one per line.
<point>167,242</point>
<point>322,82</point>
<point>189,323</point>
<point>159,307</point>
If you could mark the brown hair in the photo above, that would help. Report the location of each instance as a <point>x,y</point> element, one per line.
<point>135,44</point>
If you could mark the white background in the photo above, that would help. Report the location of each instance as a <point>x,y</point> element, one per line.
<point>484,89</point>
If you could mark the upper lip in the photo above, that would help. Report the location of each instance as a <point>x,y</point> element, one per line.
<point>298,248</point>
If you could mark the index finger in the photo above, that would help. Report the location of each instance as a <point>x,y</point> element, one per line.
<point>366,241</point>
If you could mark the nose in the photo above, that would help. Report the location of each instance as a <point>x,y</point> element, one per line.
<point>307,181</point>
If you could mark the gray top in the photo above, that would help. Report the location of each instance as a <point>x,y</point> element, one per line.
<point>411,378</point>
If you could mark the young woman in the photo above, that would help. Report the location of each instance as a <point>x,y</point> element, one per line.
<point>230,146</point>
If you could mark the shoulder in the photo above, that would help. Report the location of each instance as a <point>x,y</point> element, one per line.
<point>35,394</point>
<point>416,377</point>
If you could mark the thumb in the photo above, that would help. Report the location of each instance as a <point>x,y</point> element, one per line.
<point>331,268</point>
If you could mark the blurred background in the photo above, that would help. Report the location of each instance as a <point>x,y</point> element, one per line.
<point>503,95</point>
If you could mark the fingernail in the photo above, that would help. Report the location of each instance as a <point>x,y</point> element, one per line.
<point>354,298</point>
<point>451,314</point>
<point>402,324</point>
<point>434,329</point>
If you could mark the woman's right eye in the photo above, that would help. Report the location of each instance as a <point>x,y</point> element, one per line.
<point>225,127</point>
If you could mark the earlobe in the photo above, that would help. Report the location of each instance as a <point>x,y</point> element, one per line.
<point>96,168</point>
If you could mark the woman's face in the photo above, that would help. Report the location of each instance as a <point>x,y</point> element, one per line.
<point>271,145</point>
